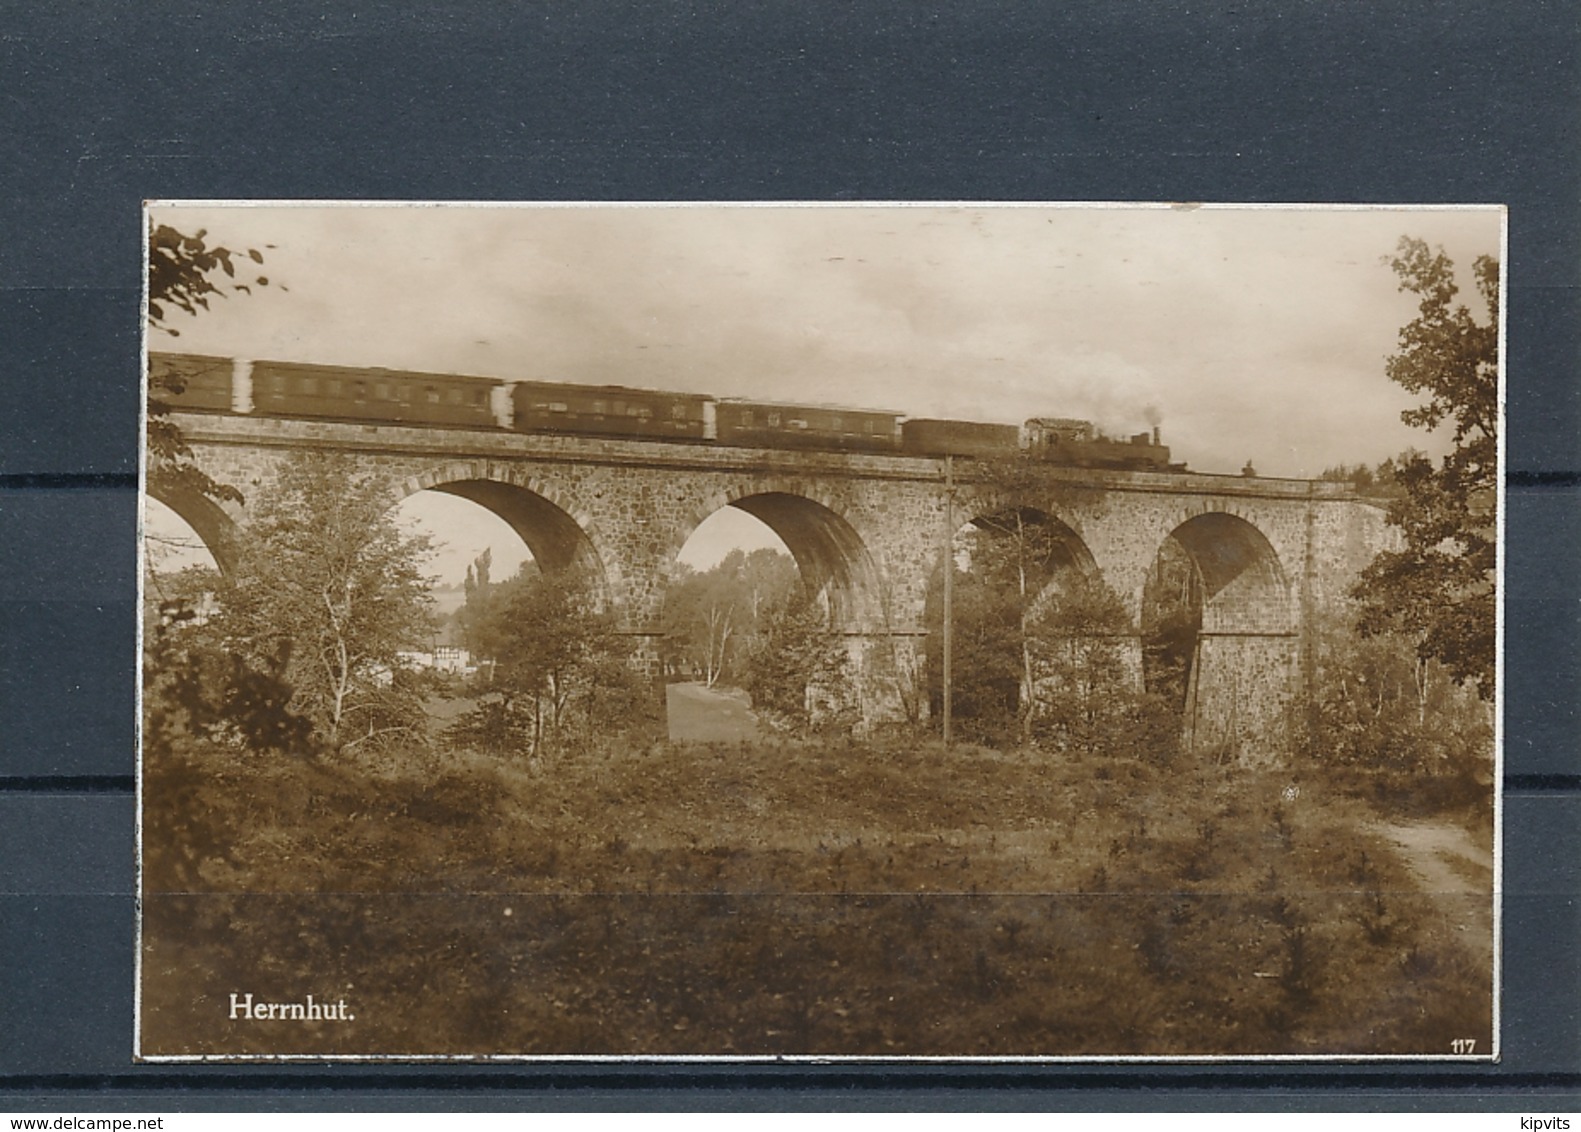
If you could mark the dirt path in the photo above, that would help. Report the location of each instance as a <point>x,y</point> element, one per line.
<point>1443,857</point>
<point>705,715</point>
<point>1448,864</point>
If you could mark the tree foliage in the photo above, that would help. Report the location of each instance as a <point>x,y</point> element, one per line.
<point>1085,694</point>
<point>196,687</point>
<point>799,673</point>
<point>555,670</point>
<point>181,274</point>
<point>1003,562</point>
<point>1380,482</point>
<point>1044,653</point>
<point>1015,554</point>
<point>1047,656</point>
<point>986,668</point>
<point>485,599</point>
<point>184,274</point>
<point>1171,620</point>
<point>715,619</point>
<point>1439,589</point>
<point>328,587</point>
<point>1400,721</point>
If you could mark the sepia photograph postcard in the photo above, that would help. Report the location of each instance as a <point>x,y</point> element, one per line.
<point>974,631</point>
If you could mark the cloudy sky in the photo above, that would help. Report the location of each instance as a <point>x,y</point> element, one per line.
<point>1250,333</point>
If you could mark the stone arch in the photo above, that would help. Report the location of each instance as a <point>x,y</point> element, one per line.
<point>1240,660</point>
<point>1058,554</point>
<point>208,520</point>
<point>1244,585</point>
<point>1067,549</point>
<point>829,551</point>
<point>554,530</point>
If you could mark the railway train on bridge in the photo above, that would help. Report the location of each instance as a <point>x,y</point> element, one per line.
<point>202,383</point>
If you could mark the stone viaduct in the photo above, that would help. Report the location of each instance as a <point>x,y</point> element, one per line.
<point>867,530</point>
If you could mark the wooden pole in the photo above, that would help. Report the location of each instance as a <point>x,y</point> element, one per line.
<point>949,584</point>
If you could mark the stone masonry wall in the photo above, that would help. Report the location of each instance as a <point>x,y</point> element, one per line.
<point>871,528</point>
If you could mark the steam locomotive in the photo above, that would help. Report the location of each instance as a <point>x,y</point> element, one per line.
<point>201,383</point>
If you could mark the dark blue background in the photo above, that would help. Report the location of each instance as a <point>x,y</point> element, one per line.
<point>103,105</point>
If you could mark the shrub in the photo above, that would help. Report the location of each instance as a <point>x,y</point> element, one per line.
<point>1393,726</point>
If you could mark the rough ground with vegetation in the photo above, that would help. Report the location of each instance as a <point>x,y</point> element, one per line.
<point>799,897</point>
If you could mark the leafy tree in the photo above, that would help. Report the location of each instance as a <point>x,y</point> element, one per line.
<point>701,618</point>
<point>1171,621</point>
<point>1010,557</point>
<point>1380,482</point>
<point>559,669</point>
<point>716,617</point>
<point>484,600</point>
<point>1085,697</point>
<point>799,675</point>
<point>1359,476</point>
<point>329,587</point>
<point>202,702</point>
<point>1399,720</point>
<point>178,596</point>
<point>477,580</point>
<point>195,687</point>
<point>1016,553</point>
<point>1439,589</point>
<point>1043,654</point>
<point>182,276</point>
<point>987,671</point>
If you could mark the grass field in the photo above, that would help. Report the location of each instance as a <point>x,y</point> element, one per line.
<point>794,898</point>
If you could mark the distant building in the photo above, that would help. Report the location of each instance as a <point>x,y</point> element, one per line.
<point>451,658</point>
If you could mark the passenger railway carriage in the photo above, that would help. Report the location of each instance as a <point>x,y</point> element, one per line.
<point>199,383</point>
<point>192,382</point>
<point>609,410</point>
<point>769,424</point>
<point>289,389</point>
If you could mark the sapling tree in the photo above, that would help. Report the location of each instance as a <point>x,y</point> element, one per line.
<point>328,585</point>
